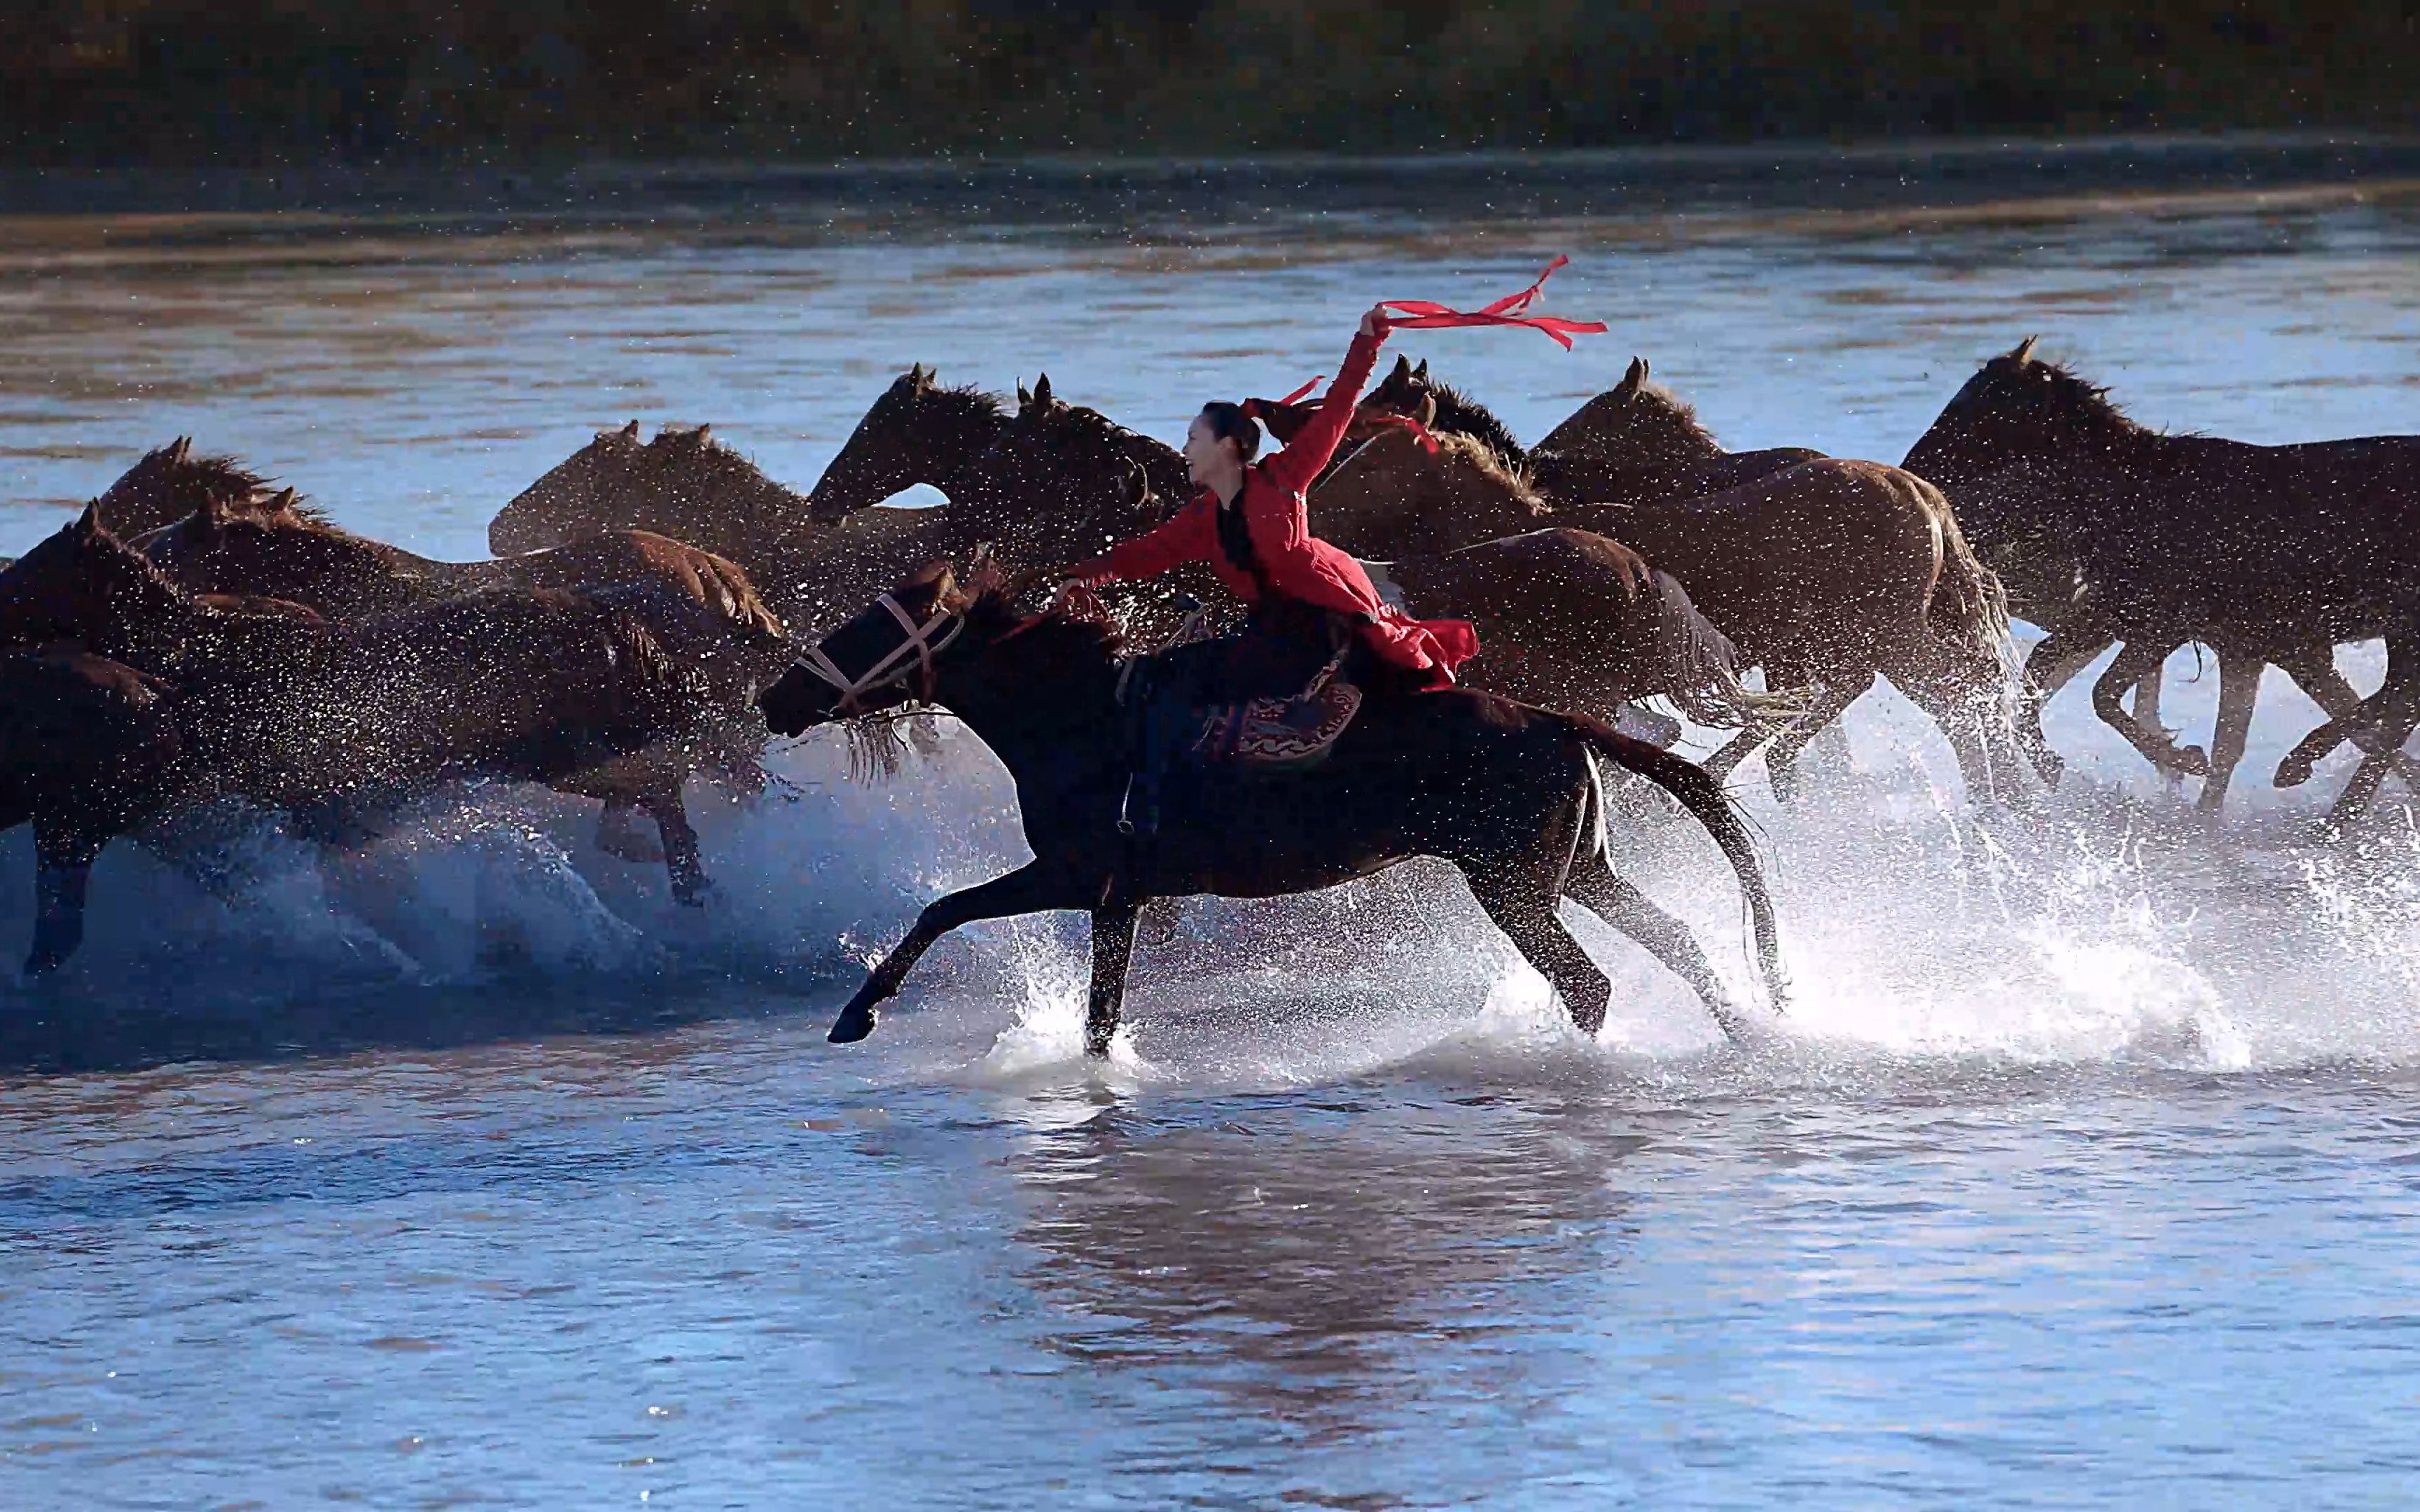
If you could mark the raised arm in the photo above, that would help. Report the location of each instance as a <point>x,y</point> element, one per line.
<point>1307,454</point>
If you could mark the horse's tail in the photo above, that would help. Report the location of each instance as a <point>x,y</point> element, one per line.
<point>1699,665</point>
<point>1697,791</point>
<point>1969,608</point>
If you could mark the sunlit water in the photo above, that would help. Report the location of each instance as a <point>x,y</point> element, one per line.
<point>471,1172</point>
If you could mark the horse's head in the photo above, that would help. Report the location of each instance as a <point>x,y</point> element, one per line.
<point>883,658</point>
<point>82,583</point>
<point>171,482</point>
<point>916,432</point>
<point>1394,498</point>
<point>1638,423</point>
<point>2016,408</point>
<point>588,490</point>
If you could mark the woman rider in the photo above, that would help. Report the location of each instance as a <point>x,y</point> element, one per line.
<point>1248,522</point>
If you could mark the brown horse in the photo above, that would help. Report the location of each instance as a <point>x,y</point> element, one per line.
<point>2070,492</point>
<point>333,725</point>
<point>707,613</point>
<point>1826,574</point>
<point>916,432</point>
<point>1637,443</point>
<point>684,484</point>
<point>1510,795</point>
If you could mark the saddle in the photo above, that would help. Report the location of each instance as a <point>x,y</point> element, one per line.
<point>1287,734</point>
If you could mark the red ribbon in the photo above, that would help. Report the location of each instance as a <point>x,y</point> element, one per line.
<point>1511,310</point>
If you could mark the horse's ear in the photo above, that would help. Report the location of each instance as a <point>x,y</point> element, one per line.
<point>1042,392</point>
<point>88,523</point>
<point>1427,417</point>
<point>1402,372</point>
<point>1634,379</point>
<point>1024,397</point>
<point>1421,374</point>
<point>180,449</point>
<point>631,431</point>
<point>285,502</point>
<point>920,378</point>
<point>2023,351</point>
<point>699,437</point>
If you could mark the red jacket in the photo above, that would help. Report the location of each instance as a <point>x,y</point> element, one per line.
<point>1296,565</point>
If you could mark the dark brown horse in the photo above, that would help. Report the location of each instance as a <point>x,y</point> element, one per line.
<point>916,432</point>
<point>2265,553</point>
<point>1510,795</point>
<point>707,615</point>
<point>333,725</point>
<point>1827,574</point>
<point>88,751</point>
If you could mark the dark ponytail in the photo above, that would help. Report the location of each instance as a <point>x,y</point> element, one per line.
<point>1234,422</point>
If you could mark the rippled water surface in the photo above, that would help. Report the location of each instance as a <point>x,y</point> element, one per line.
<point>471,1173</point>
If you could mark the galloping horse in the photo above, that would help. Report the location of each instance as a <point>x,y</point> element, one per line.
<point>332,724</point>
<point>2112,531</point>
<point>1826,574</point>
<point>707,613</point>
<point>1510,795</point>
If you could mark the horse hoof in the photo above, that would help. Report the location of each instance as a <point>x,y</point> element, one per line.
<point>2293,771</point>
<point>2191,761</point>
<point>854,1024</point>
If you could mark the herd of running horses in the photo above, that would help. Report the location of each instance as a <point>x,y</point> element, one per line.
<point>198,634</point>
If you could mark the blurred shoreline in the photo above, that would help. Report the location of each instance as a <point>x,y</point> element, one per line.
<point>1919,182</point>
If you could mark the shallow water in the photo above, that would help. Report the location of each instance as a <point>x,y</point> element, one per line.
<point>473,1173</point>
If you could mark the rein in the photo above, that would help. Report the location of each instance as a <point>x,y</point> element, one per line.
<point>893,665</point>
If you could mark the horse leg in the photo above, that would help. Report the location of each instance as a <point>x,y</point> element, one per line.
<point>2051,665</point>
<point>1611,897</point>
<point>2314,671</point>
<point>2238,687</point>
<point>1521,903</point>
<point>63,857</point>
<point>618,833</point>
<point>2147,714</point>
<point>681,858</point>
<point>1032,888</point>
<point>1113,937</point>
<point>2139,660</point>
<point>1832,700</point>
<point>2394,712</point>
<point>2361,721</point>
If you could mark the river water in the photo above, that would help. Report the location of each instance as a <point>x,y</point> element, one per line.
<point>471,1173</point>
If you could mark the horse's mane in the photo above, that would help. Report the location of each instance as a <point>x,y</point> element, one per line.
<point>969,399</point>
<point>298,513</point>
<point>1458,413</point>
<point>1684,413</point>
<point>2089,403</point>
<point>720,457</point>
<point>1492,464</point>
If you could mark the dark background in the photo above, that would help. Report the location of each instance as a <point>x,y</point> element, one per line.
<point>254,82</point>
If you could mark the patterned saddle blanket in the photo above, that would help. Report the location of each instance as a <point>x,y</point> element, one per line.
<point>1280,734</point>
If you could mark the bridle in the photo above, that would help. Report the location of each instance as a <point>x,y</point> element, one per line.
<point>894,667</point>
